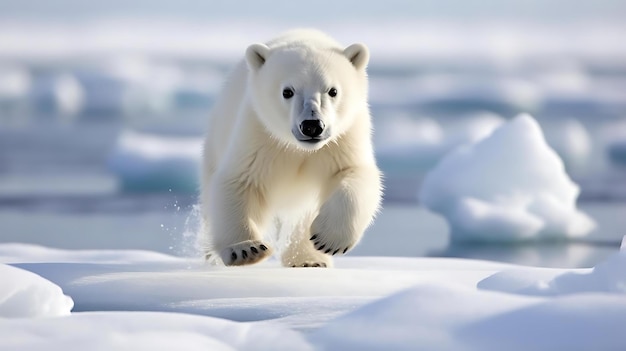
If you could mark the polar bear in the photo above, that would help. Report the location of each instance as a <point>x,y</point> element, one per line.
<point>291,131</point>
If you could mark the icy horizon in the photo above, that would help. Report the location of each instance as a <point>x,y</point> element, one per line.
<point>498,41</point>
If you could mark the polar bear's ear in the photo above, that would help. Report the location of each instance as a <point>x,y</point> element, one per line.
<point>256,54</point>
<point>358,54</point>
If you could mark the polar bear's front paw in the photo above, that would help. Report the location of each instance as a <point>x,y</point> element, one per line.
<point>245,252</point>
<point>330,247</point>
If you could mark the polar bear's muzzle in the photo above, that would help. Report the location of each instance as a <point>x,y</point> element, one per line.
<point>311,131</point>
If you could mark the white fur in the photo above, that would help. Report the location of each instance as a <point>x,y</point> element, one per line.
<point>255,167</point>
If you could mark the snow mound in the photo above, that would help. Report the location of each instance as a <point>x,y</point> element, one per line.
<point>24,294</point>
<point>150,163</point>
<point>440,317</point>
<point>509,186</point>
<point>144,331</point>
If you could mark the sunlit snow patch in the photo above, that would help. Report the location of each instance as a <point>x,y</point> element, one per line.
<point>510,186</point>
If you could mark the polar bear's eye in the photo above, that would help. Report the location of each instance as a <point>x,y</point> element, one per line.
<point>332,92</point>
<point>287,93</point>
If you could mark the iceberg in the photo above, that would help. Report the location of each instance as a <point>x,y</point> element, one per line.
<point>509,186</point>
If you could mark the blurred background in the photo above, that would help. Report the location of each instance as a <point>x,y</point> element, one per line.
<point>103,107</point>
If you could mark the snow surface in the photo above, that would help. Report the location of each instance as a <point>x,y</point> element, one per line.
<point>144,331</point>
<point>436,317</point>
<point>526,309</point>
<point>26,295</point>
<point>510,186</point>
<point>365,303</point>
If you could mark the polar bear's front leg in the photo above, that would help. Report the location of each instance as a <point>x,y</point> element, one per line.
<point>349,210</point>
<point>237,214</point>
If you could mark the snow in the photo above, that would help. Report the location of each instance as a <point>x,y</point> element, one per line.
<point>26,295</point>
<point>152,162</point>
<point>511,310</point>
<point>300,298</point>
<point>144,331</point>
<point>136,299</point>
<point>435,317</point>
<point>510,186</point>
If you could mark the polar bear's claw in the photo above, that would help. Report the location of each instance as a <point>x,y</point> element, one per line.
<point>245,252</point>
<point>326,248</point>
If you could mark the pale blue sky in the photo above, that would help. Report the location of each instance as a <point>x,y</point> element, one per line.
<point>540,10</point>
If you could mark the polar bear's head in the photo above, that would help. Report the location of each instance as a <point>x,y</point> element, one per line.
<point>307,95</point>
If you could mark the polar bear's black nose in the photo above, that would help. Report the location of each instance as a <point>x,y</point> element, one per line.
<point>312,127</point>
